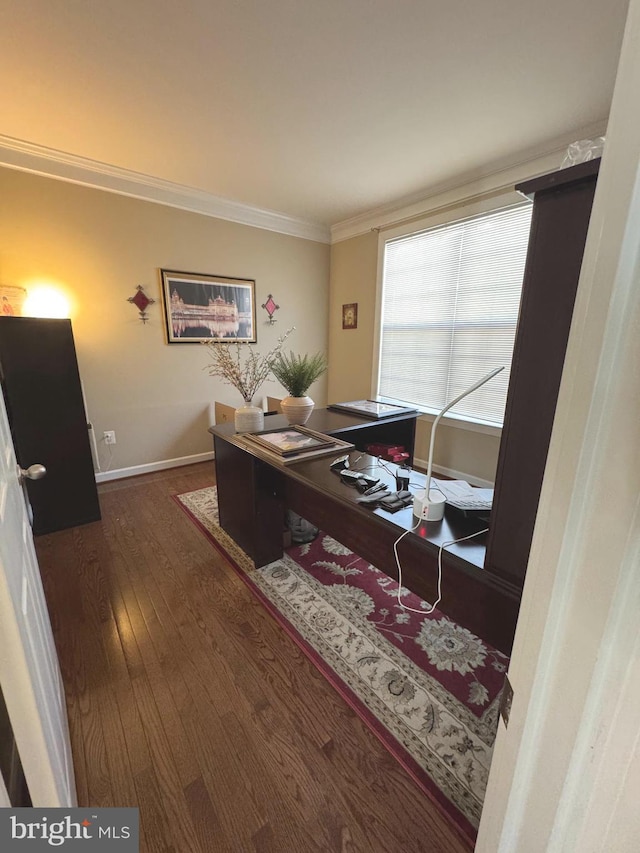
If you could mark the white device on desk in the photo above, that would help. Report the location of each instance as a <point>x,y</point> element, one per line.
<point>460,494</point>
<point>429,503</point>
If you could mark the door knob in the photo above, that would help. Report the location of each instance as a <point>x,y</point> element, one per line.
<point>33,472</point>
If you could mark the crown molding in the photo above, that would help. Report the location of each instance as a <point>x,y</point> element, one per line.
<point>39,160</point>
<point>495,178</point>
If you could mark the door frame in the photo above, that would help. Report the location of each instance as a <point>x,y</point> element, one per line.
<point>29,670</point>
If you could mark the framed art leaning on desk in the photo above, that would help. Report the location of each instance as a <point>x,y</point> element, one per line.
<point>292,443</point>
<point>292,440</point>
<point>372,409</point>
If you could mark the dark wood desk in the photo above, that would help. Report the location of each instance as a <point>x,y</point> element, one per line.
<point>253,493</point>
<point>398,429</point>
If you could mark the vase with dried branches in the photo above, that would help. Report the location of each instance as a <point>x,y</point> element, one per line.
<point>239,365</point>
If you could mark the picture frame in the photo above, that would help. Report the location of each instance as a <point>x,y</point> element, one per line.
<point>350,315</point>
<point>200,308</point>
<point>372,409</point>
<point>11,300</point>
<point>291,440</point>
<point>293,443</point>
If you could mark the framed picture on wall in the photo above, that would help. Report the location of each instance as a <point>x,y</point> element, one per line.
<point>200,308</point>
<point>350,316</point>
<point>11,300</point>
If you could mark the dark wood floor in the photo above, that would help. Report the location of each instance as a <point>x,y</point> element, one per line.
<point>187,699</point>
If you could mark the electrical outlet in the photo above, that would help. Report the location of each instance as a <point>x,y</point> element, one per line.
<point>109,436</point>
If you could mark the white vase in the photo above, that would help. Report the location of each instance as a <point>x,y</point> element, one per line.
<point>249,418</point>
<point>297,410</point>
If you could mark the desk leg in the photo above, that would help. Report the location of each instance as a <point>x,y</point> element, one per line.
<point>250,502</point>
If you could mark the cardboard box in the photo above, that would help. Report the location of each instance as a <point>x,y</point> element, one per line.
<point>224,414</point>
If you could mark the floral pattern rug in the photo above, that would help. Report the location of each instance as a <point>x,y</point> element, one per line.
<point>428,687</point>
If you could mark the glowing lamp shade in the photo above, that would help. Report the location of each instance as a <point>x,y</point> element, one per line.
<point>43,301</point>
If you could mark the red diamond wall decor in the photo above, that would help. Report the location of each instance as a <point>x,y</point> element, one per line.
<point>141,301</point>
<point>270,307</point>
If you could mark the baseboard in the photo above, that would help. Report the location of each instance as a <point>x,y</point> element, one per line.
<point>162,465</point>
<point>421,464</point>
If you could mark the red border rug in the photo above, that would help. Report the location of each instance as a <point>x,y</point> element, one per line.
<point>428,688</point>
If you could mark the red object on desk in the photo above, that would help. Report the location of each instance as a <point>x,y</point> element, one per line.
<point>397,457</point>
<point>388,452</point>
<point>380,449</point>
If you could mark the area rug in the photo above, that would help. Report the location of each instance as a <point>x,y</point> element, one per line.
<point>428,688</point>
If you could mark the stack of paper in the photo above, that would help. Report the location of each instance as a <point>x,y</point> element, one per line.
<point>463,496</point>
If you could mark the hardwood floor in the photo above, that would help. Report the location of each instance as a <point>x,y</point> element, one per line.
<point>186,698</point>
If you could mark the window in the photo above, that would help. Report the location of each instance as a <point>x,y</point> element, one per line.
<point>449,312</point>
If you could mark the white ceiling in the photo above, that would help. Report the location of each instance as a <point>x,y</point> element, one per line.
<point>319,109</point>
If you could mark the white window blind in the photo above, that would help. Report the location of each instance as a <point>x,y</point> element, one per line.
<point>449,311</point>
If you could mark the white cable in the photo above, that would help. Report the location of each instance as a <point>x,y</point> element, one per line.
<point>95,454</point>
<point>431,485</point>
<point>109,461</point>
<point>440,550</point>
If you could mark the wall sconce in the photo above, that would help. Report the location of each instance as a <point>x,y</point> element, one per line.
<point>270,307</point>
<point>141,301</point>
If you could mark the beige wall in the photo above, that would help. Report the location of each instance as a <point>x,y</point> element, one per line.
<point>459,452</point>
<point>351,353</point>
<point>97,247</point>
<point>353,279</point>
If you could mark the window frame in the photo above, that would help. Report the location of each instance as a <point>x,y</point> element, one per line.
<point>441,216</point>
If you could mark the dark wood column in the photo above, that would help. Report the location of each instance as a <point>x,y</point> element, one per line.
<point>562,208</point>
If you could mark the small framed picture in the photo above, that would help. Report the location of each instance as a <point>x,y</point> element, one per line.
<point>11,300</point>
<point>200,308</point>
<point>350,316</point>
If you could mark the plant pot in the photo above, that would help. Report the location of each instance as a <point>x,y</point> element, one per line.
<point>248,418</point>
<point>297,409</point>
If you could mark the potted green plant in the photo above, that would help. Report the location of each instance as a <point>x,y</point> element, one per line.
<point>297,373</point>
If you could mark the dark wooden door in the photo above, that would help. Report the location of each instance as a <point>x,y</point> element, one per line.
<point>43,396</point>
